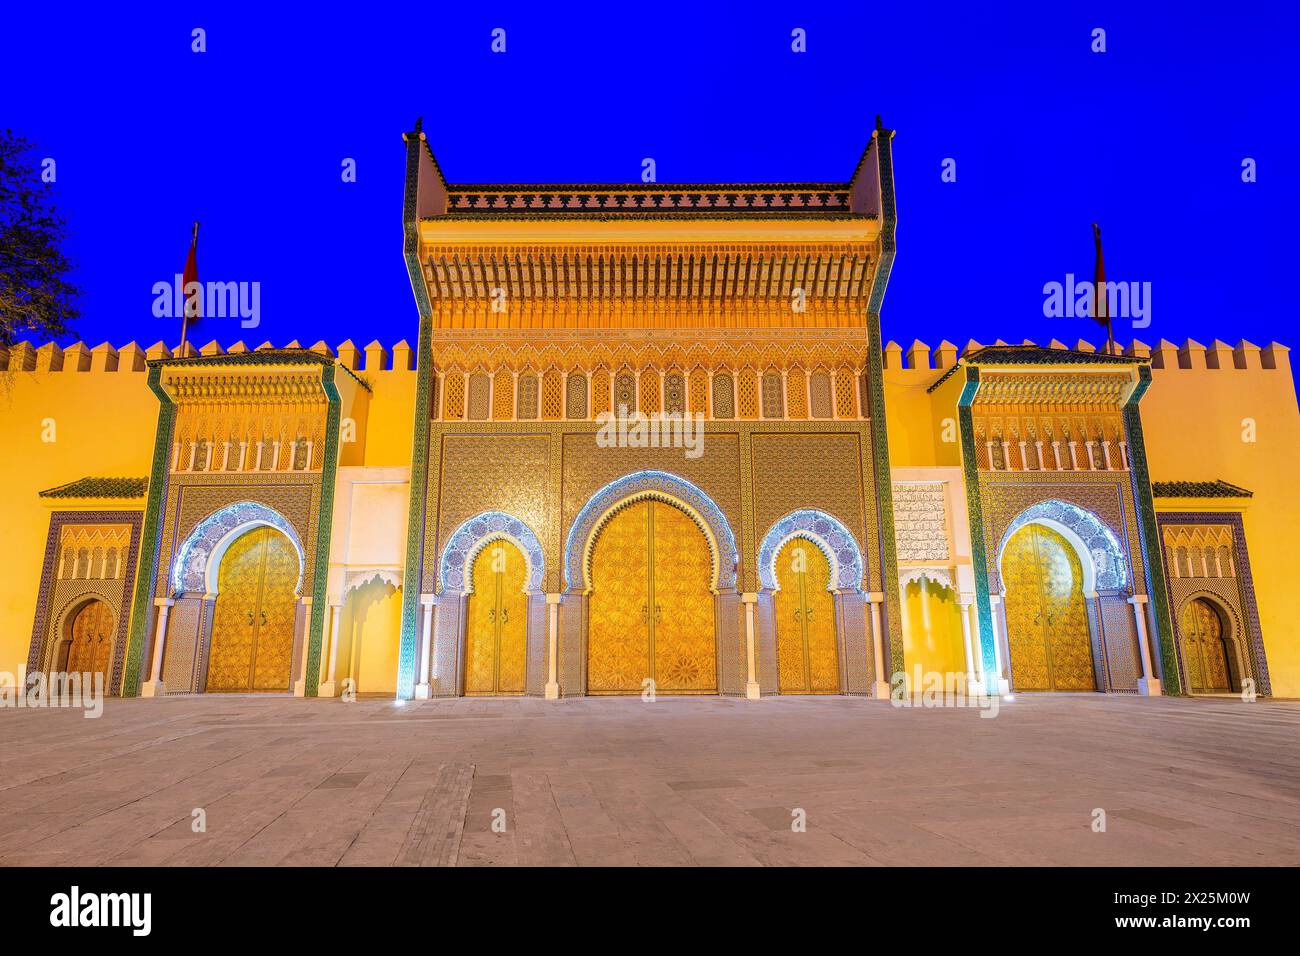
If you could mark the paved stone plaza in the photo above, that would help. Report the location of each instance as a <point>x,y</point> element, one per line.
<point>620,782</point>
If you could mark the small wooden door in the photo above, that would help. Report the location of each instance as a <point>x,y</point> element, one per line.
<point>1205,653</point>
<point>91,651</point>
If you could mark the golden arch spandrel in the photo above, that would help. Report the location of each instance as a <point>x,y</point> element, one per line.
<point>682,625</point>
<point>1204,652</point>
<point>253,621</point>
<point>807,654</point>
<point>1047,620</point>
<point>497,622</point>
<point>618,630</point>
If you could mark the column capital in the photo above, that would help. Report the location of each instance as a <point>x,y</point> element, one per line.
<point>749,597</point>
<point>1138,599</point>
<point>164,602</point>
<point>555,598</point>
<point>428,600</point>
<point>874,597</point>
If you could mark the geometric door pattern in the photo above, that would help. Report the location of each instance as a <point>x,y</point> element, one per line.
<point>1047,620</point>
<point>92,640</point>
<point>1204,651</point>
<point>651,611</point>
<point>496,622</point>
<point>806,653</point>
<point>253,621</point>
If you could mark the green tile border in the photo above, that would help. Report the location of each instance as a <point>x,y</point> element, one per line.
<point>412,575</point>
<point>1149,535</point>
<point>975,518</point>
<point>150,535</point>
<point>324,527</point>
<point>884,477</point>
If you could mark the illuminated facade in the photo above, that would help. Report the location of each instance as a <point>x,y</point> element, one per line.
<point>649,437</point>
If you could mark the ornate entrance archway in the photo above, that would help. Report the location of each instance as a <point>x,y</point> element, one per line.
<point>1047,621</point>
<point>253,620</point>
<point>651,610</point>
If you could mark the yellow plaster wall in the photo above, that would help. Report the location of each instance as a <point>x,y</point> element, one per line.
<point>1195,421</point>
<point>390,422</point>
<point>102,424</point>
<point>932,635</point>
<point>369,633</point>
<point>922,425</point>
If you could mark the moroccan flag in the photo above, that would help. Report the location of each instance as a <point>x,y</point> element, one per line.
<point>1100,301</point>
<point>194,302</point>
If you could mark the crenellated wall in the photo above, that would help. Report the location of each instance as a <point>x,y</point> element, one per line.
<point>71,412</point>
<point>1213,412</point>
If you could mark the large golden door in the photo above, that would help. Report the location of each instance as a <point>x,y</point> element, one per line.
<point>252,624</point>
<point>1047,621</point>
<point>807,658</point>
<point>92,640</point>
<point>496,622</point>
<point>651,610</point>
<point>1204,652</point>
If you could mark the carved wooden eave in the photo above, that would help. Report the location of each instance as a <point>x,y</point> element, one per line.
<point>1029,375</point>
<point>696,255</point>
<point>264,376</point>
<point>1071,386</point>
<point>640,264</point>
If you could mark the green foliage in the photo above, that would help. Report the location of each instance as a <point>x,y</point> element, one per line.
<point>37,301</point>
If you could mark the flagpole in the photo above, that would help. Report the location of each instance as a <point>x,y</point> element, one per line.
<point>1099,298</point>
<point>185,309</point>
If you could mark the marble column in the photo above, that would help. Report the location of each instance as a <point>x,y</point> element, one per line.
<point>300,685</point>
<point>552,691</point>
<point>880,689</point>
<point>1148,684</point>
<point>424,686</point>
<point>330,687</point>
<point>998,682</point>
<point>966,607</point>
<point>153,687</point>
<point>750,599</point>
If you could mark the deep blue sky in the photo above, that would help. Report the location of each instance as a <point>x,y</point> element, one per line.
<point>248,137</point>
